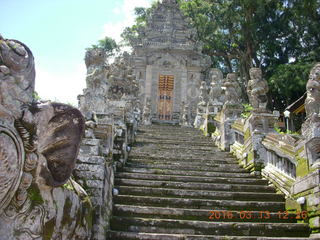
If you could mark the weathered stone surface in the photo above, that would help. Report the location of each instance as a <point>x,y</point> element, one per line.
<point>91,159</point>
<point>257,90</point>
<point>164,193</point>
<point>38,149</point>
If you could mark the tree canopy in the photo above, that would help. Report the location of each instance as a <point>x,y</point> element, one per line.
<point>108,44</point>
<point>281,37</point>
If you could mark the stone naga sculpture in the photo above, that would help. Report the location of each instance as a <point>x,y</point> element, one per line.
<point>312,103</point>
<point>38,148</point>
<point>257,89</point>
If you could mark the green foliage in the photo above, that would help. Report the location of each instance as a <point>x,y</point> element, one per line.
<point>36,96</point>
<point>288,83</point>
<point>108,44</point>
<point>247,110</point>
<point>280,36</point>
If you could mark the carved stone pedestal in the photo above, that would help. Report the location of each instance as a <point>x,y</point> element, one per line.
<point>229,113</point>
<point>257,126</point>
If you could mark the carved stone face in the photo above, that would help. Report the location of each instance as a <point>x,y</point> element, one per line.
<point>231,77</point>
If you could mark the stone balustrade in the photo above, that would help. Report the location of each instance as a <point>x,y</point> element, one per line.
<point>290,162</point>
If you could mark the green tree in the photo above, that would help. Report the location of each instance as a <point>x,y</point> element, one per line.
<point>108,44</point>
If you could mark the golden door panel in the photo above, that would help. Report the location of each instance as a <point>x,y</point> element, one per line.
<point>165,95</point>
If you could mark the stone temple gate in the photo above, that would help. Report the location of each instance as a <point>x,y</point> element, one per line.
<point>168,63</point>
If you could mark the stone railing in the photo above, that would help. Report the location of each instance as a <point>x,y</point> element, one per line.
<point>289,162</point>
<point>280,166</point>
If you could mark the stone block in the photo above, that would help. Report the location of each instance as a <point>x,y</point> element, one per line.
<point>99,175</point>
<point>94,184</point>
<point>91,159</point>
<point>89,150</point>
<point>90,142</point>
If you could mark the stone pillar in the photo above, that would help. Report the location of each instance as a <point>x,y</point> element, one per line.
<point>257,126</point>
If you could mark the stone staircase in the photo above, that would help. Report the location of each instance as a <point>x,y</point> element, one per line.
<point>177,185</point>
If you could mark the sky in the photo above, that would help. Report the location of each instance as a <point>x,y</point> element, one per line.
<point>58,31</point>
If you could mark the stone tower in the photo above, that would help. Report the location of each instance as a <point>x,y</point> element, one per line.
<point>168,63</point>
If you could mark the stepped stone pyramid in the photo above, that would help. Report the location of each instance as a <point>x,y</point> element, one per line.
<point>177,185</point>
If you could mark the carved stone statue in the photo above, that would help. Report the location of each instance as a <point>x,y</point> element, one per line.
<point>312,103</point>
<point>203,91</point>
<point>202,105</point>
<point>231,93</point>
<point>146,115</point>
<point>185,119</point>
<point>215,86</point>
<point>94,97</point>
<point>257,89</point>
<point>38,148</point>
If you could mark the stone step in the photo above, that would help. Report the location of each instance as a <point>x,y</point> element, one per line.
<point>199,186</point>
<point>199,203</point>
<point>173,226</point>
<point>191,179</point>
<point>155,236</point>
<point>172,166</point>
<point>184,162</point>
<point>199,194</point>
<point>220,159</point>
<point>165,146</point>
<point>212,157</point>
<point>153,139</point>
<point>168,130</point>
<point>200,214</point>
<point>186,173</point>
<point>176,153</point>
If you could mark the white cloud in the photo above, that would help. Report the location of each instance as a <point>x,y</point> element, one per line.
<point>61,87</point>
<point>114,30</point>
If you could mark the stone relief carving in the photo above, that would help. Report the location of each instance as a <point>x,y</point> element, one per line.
<point>257,89</point>
<point>312,103</point>
<point>38,148</point>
